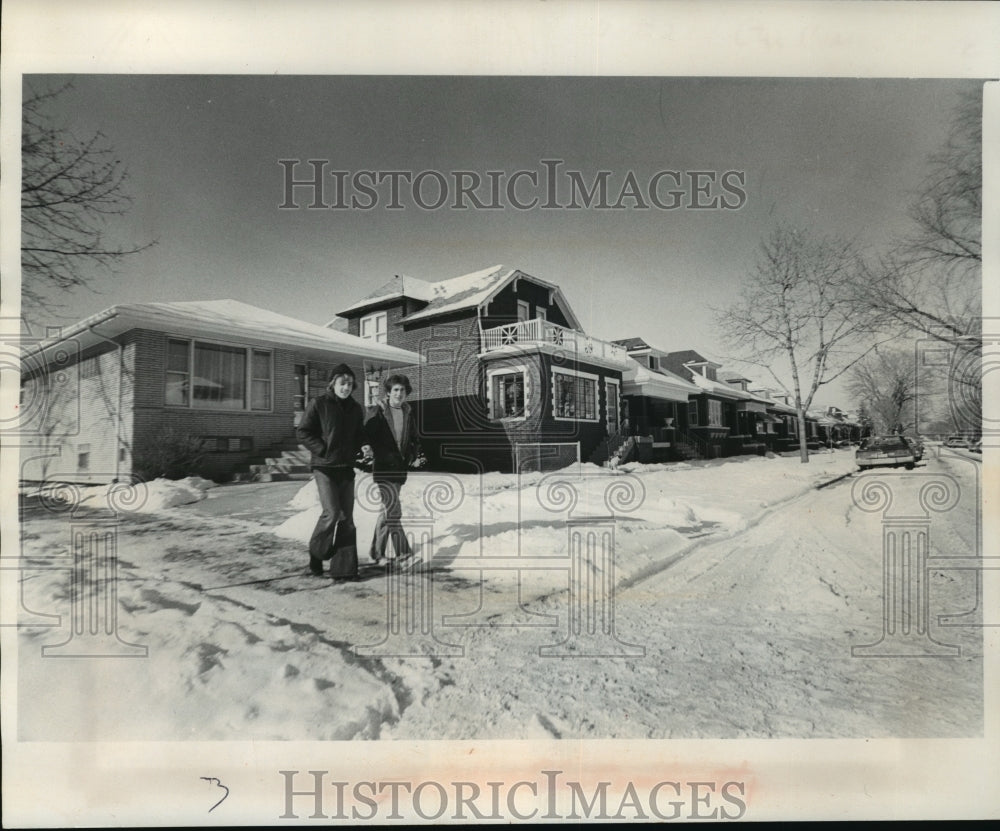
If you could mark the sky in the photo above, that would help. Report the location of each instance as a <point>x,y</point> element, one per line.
<point>836,156</point>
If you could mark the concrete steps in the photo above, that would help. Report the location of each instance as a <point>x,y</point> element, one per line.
<point>282,462</point>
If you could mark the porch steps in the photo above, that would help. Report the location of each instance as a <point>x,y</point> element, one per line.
<point>281,462</point>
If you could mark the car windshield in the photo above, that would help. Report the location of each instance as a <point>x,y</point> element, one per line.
<point>887,443</point>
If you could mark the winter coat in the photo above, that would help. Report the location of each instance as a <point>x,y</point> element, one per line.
<point>333,430</point>
<point>390,457</point>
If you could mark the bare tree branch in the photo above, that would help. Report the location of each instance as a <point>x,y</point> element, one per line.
<point>70,190</point>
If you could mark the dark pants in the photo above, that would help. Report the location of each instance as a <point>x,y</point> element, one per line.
<point>335,537</point>
<point>389,522</point>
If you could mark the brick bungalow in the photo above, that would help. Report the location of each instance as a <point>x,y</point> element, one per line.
<point>509,378</point>
<point>100,395</point>
<point>723,416</point>
<point>656,404</point>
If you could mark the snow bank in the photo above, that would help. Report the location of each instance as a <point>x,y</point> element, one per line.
<point>520,515</point>
<point>154,496</point>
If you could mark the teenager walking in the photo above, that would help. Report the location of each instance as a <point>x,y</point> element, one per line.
<point>391,430</point>
<point>332,429</point>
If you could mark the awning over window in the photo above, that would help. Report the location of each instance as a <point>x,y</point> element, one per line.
<point>772,419</point>
<point>750,407</point>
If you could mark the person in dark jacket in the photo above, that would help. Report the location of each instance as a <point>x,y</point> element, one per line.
<point>392,433</point>
<point>332,429</point>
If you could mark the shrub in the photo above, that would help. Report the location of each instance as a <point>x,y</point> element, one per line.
<point>170,454</point>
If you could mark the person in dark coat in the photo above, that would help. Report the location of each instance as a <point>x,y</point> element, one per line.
<point>391,430</point>
<point>332,429</point>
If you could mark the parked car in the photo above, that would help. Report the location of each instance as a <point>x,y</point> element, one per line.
<point>956,440</point>
<point>917,444</point>
<point>885,451</point>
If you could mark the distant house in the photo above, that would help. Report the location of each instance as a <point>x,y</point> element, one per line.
<point>656,404</point>
<point>509,378</point>
<point>724,417</point>
<point>105,393</point>
<point>779,426</point>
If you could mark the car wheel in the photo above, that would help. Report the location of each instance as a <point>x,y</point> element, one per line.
<point>909,466</point>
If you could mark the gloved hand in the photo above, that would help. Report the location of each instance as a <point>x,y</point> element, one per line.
<point>365,459</point>
<point>419,462</point>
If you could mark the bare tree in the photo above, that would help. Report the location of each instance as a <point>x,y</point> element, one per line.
<point>931,282</point>
<point>70,188</point>
<point>884,382</point>
<point>795,315</point>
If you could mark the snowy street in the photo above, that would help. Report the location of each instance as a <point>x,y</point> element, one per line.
<point>740,591</point>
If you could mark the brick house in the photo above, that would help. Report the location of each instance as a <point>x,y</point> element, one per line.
<point>99,395</point>
<point>656,404</point>
<point>724,417</point>
<point>509,379</point>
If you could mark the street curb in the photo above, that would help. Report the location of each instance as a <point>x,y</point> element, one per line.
<point>833,481</point>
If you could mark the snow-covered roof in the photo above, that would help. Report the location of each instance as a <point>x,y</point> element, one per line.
<point>229,319</point>
<point>464,292</point>
<point>719,388</point>
<point>632,344</point>
<point>401,285</point>
<point>472,290</point>
<point>638,379</point>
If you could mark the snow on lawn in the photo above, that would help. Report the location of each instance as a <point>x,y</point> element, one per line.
<point>244,643</point>
<point>143,497</point>
<point>659,508</point>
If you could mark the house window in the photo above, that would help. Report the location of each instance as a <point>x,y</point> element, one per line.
<point>226,444</point>
<point>523,310</point>
<point>541,314</point>
<point>574,396</point>
<point>83,457</point>
<point>692,413</point>
<point>714,413</point>
<point>372,390</point>
<point>219,377</point>
<point>507,393</point>
<point>612,404</point>
<point>651,361</point>
<point>375,327</point>
<point>260,381</point>
<point>299,397</point>
<point>214,376</point>
<point>178,373</point>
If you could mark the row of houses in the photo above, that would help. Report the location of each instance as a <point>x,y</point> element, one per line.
<point>504,378</point>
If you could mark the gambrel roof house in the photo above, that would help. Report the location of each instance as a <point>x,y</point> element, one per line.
<point>104,395</point>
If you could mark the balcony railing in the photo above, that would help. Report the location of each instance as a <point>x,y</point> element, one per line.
<point>539,332</point>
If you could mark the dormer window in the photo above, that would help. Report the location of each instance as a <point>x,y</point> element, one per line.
<point>375,327</point>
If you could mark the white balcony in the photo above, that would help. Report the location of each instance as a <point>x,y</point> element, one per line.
<point>515,338</point>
